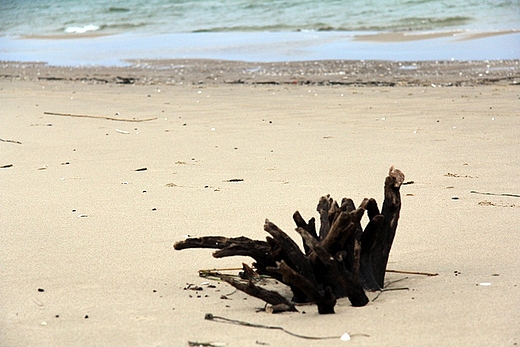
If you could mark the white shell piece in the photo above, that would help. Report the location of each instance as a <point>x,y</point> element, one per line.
<point>345,337</point>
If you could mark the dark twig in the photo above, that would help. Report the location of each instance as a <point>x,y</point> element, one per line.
<point>135,120</point>
<point>496,194</point>
<point>413,272</point>
<point>210,316</point>
<point>388,290</point>
<point>11,141</point>
<point>269,296</point>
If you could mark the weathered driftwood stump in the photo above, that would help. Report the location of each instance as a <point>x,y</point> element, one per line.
<point>342,260</point>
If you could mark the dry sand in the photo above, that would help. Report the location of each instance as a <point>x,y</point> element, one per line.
<point>79,222</point>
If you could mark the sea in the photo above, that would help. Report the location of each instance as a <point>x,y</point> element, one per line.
<point>97,32</point>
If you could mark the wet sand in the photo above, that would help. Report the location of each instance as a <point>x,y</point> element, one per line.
<point>91,49</point>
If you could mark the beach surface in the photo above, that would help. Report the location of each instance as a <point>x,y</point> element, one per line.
<point>91,206</point>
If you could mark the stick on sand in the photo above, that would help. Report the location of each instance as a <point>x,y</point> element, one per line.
<point>99,117</point>
<point>413,272</point>
<point>11,141</point>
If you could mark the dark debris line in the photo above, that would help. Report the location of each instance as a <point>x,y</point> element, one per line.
<point>328,73</point>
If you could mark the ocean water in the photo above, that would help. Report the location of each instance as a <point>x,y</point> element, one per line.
<point>52,17</point>
<point>248,29</point>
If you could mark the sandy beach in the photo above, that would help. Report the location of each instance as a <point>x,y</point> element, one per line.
<point>91,207</point>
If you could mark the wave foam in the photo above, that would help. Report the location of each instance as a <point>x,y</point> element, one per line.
<point>81,30</point>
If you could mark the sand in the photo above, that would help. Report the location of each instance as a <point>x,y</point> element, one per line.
<point>87,256</point>
<point>413,37</point>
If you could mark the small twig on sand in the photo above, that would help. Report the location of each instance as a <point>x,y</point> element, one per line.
<point>413,272</point>
<point>388,290</point>
<point>216,274</point>
<point>497,194</point>
<point>210,316</point>
<point>388,284</point>
<point>11,141</point>
<point>100,117</point>
<point>206,344</point>
<point>223,269</point>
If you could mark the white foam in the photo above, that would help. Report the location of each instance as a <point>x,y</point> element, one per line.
<point>81,30</point>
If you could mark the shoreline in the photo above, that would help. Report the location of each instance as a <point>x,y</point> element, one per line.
<point>96,49</point>
<point>383,37</point>
<point>332,73</point>
<point>460,35</point>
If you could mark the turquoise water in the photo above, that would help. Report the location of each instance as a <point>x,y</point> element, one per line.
<point>52,17</point>
<point>114,32</point>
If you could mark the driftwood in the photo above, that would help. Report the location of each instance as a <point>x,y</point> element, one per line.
<point>279,303</point>
<point>341,260</point>
<point>11,141</point>
<point>134,120</point>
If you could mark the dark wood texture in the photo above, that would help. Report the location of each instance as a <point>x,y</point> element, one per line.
<point>341,260</point>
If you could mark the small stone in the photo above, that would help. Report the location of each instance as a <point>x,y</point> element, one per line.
<point>41,290</point>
